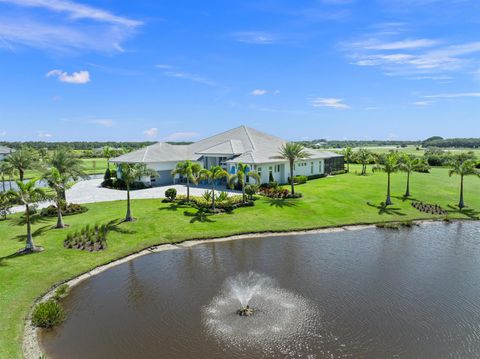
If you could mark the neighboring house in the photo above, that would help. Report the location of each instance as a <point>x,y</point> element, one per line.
<point>240,145</point>
<point>4,152</point>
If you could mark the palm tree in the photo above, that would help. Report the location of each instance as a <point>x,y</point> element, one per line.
<point>28,194</point>
<point>363,157</point>
<point>348,155</point>
<point>58,183</point>
<point>212,175</point>
<point>409,164</point>
<point>243,172</point>
<point>190,171</point>
<point>292,152</point>
<point>388,164</point>
<point>23,159</point>
<point>463,167</point>
<point>68,166</point>
<point>130,173</point>
<point>4,168</point>
<point>6,202</point>
<point>108,153</point>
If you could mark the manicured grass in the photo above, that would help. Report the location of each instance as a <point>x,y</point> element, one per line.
<point>91,166</point>
<point>332,201</point>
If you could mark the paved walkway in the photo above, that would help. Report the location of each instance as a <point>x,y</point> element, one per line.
<point>90,191</point>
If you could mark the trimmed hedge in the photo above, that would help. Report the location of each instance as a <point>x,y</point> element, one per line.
<point>67,210</point>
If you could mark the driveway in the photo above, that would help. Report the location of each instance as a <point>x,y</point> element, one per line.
<point>90,191</point>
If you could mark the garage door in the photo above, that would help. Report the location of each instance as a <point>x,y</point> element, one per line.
<point>164,178</point>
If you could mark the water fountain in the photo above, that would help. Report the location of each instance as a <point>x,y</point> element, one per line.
<point>251,309</point>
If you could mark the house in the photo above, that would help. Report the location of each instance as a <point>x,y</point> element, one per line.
<point>4,152</point>
<point>239,145</point>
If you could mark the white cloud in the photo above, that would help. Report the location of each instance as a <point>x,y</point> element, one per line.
<point>80,77</point>
<point>336,103</point>
<point>75,10</point>
<point>455,95</point>
<point>103,122</point>
<point>151,132</point>
<point>255,37</point>
<point>423,103</point>
<point>397,45</point>
<point>164,66</point>
<point>43,134</point>
<point>258,92</point>
<point>181,136</point>
<point>64,28</point>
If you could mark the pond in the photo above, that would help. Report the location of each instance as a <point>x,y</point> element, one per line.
<point>372,293</point>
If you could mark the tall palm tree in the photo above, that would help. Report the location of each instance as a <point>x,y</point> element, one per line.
<point>4,168</point>
<point>243,172</point>
<point>28,194</point>
<point>23,159</point>
<point>292,152</point>
<point>348,155</point>
<point>463,167</point>
<point>363,157</point>
<point>388,164</point>
<point>409,164</point>
<point>68,166</point>
<point>190,171</point>
<point>130,173</point>
<point>58,183</point>
<point>212,176</point>
<point>108,153</point>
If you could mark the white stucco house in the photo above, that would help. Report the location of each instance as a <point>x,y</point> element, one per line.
<point>239,145</point>
<point>4,152</point>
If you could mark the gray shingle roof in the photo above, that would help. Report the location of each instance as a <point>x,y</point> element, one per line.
<point>249,145</point>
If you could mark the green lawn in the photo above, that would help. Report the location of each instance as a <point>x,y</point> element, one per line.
<point>332,201</point>
<point>412,150</point>
<point>91,166</point>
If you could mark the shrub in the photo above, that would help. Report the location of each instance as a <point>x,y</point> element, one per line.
<point>61,292</point>
<point>118,183</point>
<point>67,210</point>
<point>221,197</point>
<point>251,190</point>
<point>107,175</point>
<point>171,194</point>
<point>207,195</point>
<point>300,179</point>
<point>48,314</point>
<point>88,239</point>
<point>312,177</point>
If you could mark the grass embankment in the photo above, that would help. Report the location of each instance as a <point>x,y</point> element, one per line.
<point>333,201</point>
<point>91,166</point>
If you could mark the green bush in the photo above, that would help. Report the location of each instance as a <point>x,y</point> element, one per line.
<point>48,314</point>
<point>61,292</point>
<point>300,179</point>
<point>67,210</point>
<point>171,194</point>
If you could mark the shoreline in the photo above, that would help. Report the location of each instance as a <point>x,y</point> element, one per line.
<point>31,347</point>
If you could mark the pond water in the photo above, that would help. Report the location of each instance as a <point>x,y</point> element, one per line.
<point>412,293</point>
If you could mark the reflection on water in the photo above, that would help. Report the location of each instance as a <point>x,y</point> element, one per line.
<point>376,294</point>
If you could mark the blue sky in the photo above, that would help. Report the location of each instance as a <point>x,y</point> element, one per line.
<point>182,70</point>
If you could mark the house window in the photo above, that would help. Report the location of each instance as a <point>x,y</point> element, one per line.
<point>311,168</point>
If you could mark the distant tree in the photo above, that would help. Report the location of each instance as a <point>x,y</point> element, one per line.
<point>132,172</point>
<point>348,155</point>
<point>463,167</point>
<point>108,153</point>
<point>388,164</point>
<point>43,153</point>
<point>212,176</point>
<point>243,172</point>
<point>409,164</point>
<point>293,152</point>
<point>23,159</point>
<point>28,194</point>
<point>190,171</point>
<point>363,156</point>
